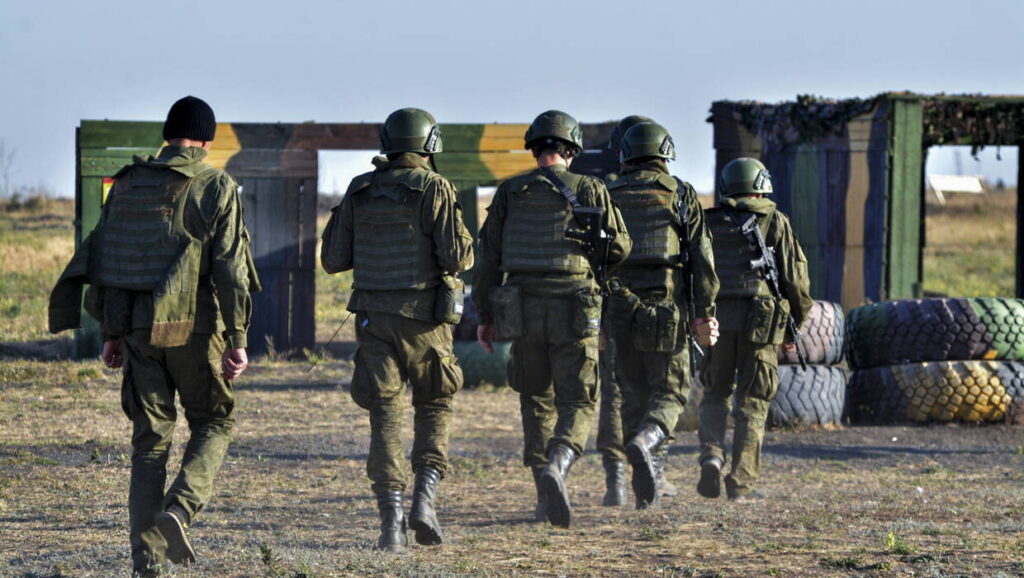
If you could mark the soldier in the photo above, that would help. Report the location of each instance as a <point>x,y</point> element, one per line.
<point>537,286</point>
<point>171,274</point>
<point>669,273</point>
<point>610,442</point>
<point>753,324</point>
<point>400,229</point>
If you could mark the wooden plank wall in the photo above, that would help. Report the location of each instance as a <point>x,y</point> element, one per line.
<point>904,267</point>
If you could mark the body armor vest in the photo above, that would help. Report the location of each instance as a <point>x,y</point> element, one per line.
<point>733,254</point>
<point>648,208</point>
<point>533,238</point>
<point>144,233</point>
<point>390,250</point>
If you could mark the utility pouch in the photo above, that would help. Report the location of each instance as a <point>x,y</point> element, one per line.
<point>766,321</point>
<point>587,321</point>
<point>449,301</point>
<point>656,327</point>
<point>507,310</point>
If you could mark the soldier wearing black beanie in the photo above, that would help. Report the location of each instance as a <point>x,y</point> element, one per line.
<point>190,118</point>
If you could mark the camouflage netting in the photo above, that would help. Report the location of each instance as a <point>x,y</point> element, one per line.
<point>980,122</point>
<point>805,120</point>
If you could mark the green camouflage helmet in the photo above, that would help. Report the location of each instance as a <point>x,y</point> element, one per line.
<point>621,128</point>
<point>647,139</point>
<point>745,176</point>
<point>410,130</point>
<point>554,125</point>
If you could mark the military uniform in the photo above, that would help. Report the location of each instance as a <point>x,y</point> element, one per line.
<point>537,287</point>
<point>400,229</point>
<point>171,274</point>
<point>753,326</point>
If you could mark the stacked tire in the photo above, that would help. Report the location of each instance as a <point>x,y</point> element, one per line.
<point>948,359</point>
<point>817,395</point>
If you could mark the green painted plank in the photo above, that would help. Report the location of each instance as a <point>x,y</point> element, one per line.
<point>806,196</point>
<point>106,162</point>
<point>119,133</point>
<point>904,235</point>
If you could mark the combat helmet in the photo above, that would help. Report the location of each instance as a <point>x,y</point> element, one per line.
<point>621,128</point>
<point>554,125</point>
<point>744,176</point>
<point>410,130</point>
<point>647,139</point>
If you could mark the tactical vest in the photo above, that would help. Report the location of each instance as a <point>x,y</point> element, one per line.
<point>733,254</point>
<point>533,238</point>
<point>144,233</point>
<point>648,208</point>
<point>390,250</point>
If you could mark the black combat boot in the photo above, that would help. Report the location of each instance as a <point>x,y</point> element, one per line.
<point>641,452</point>
<point>422,517</point>
<point>540,513</point>
<point>171,524</point>
<point>552,482</point>
<point>615,482</point>
<point>710,484</point>
<point>392,522</point>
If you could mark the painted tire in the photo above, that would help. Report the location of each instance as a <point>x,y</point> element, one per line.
<point>971,391</point>
<point>822,337</point>
<point>813,397</point>
<point>949,329</point>
<point>478,366</point>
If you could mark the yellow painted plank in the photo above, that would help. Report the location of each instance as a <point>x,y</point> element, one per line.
<point>856,197</point>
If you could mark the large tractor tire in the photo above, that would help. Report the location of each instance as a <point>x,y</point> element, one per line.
<point>971,391</point>
<point>822,337</point>
<point>815,396</point>
<point>948,329</point>
<point>479,367</point>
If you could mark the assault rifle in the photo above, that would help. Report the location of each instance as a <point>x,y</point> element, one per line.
<point>597,243</point>
<point>765,264</point>
<point>683,212</point>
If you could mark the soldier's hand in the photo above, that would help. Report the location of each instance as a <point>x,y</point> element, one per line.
<point>706,329</point>
<point>234,362</point>
<point>789,347</point>
<point>485,337</point>
<point>111,354</point>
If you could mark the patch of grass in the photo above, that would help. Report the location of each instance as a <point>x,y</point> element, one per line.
<point>895,544</point>
<point>652,534</point>
<point>768,547</point>
<point>846,562</point>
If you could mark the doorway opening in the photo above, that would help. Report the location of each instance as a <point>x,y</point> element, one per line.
<point>970,221</point>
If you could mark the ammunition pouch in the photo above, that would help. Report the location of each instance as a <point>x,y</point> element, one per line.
<point>450,299</point>
<point>507,310</point>
<point>766,321</point>
<point>656,326</point>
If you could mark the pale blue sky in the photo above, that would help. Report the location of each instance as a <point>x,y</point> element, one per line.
<point>481,62</point>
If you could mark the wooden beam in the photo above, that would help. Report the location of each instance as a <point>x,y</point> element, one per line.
<point>904,207</point>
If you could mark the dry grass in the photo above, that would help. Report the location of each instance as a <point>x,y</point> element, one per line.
<point>293,500</point>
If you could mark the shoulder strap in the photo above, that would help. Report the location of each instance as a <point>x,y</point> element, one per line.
<point>561,186</point>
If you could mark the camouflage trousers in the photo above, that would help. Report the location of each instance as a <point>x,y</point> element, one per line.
<point>654,384</point>
<point>555,372</point>
<point>152,376</point>
<point>395,350</point>
<point>751,371</point>
<point>610,443</point>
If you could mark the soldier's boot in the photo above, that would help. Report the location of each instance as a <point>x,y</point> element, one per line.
<point>710,484</point>
<point>615,483</point>
<point>540,513</point>
<point>552,482</point>
<point>422,518</point>
<point>666,489</point>
<point>171,523</point>
<point>392,522</point>
<point>641,452</point>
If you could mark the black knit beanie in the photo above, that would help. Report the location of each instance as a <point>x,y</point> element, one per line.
<point>190,118</point>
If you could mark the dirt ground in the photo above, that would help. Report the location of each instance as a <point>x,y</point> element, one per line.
<point>293,500</point>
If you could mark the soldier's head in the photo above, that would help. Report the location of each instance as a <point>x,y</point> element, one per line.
<point>190,122</point>
<point>554,132</point>
<point>620,130</point>
<point>645,142</point>
<point>410,130</point>
<point>744,177</point>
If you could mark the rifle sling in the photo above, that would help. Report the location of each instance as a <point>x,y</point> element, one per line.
<point>561,186</point>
